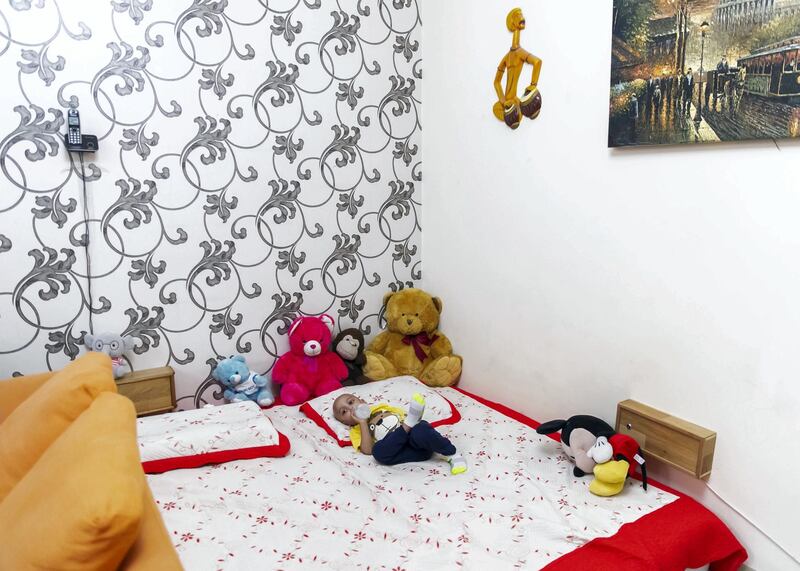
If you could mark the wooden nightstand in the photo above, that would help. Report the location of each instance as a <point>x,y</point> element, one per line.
<point>681,444</point>
<point>151,390</point>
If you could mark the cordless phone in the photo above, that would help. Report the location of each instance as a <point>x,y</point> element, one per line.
<point>74,128</point>
<point>77,141</point>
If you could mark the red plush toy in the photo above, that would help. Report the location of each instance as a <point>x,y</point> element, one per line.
<point>309,368</point>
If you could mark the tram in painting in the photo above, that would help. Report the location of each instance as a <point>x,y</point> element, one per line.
<point>774,70</point>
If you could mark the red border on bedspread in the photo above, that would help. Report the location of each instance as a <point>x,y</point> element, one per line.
<point>681,535</point>
<point>197,460</point>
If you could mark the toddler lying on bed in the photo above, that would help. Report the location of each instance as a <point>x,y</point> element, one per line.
<point>394,436</point>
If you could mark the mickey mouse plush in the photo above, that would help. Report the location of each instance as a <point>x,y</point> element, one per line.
<point>609,477</point>
<point>579,437</point>
<point>596,448</point>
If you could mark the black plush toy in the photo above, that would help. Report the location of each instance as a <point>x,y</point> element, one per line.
<point>349,345</point>
<point>581,435</point>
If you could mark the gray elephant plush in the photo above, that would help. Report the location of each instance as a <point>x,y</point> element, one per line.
<point>114,346</point>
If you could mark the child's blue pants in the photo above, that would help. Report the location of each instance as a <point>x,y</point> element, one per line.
<point>417,445</point>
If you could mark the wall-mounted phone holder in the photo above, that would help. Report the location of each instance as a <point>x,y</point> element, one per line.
<point>88,144</point>
<point>76,141</point>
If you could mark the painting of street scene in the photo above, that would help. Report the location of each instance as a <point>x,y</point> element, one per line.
<point>703,71</point>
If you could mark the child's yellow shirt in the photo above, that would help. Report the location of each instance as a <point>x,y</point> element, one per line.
<point>355,431</point>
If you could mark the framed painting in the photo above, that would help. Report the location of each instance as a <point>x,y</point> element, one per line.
<point>704,71</point>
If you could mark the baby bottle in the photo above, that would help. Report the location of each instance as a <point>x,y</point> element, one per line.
<point>362,412</point>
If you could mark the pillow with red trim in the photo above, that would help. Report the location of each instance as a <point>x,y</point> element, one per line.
<point>396,392</point>
<point>210,435</point>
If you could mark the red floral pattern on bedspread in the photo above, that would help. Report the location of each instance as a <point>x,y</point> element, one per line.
<point>518,506</point>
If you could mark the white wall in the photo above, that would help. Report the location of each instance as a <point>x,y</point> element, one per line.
<point>575,277</point>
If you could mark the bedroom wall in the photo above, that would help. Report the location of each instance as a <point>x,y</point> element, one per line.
<point>574,277</point>
<point>258,160</point>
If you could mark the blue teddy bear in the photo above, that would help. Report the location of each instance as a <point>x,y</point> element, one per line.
<point>241,384</point>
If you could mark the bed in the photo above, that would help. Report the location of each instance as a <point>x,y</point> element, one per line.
<point>518,507</point>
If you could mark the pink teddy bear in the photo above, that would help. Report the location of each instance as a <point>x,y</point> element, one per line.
<point>309,368</point>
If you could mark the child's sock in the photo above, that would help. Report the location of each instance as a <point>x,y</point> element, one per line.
<point>458,465</point>
<point>415,410</point>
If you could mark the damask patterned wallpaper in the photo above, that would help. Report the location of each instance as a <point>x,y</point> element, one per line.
<point>259,159</point>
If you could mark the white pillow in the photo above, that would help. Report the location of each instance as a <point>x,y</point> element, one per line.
<point>396,391</point>
<point>209,435</point>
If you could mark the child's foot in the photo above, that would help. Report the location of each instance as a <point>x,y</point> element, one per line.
<point>415,410</point>
<point>458,465</point>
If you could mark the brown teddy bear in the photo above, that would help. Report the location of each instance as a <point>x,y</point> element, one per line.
<point>413,345</point>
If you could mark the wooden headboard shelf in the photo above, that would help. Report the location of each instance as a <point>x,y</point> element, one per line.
<point>681,444</point>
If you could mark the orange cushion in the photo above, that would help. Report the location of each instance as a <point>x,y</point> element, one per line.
<point>41,418</point>
<point>153,549</point>
<point>14,391</point>
<point>80,506</point>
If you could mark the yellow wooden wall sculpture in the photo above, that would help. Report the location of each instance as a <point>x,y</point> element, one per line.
<point>509,107</point>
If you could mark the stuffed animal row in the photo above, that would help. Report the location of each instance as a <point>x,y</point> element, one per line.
<point>596,448</point>
<point>308,369</point>
<point>412,345</point>
<point>316,364</point>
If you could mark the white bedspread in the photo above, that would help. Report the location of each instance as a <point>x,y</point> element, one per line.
<point>208,430</point>
<point>328,507</point>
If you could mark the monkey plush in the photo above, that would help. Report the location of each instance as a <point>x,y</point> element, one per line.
<point>349,345</point>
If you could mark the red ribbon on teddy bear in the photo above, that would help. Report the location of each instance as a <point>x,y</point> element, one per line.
<point>418,341</point>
